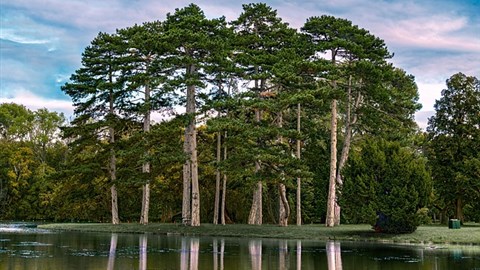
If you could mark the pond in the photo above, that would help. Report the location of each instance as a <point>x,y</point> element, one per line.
<point>30,248</point>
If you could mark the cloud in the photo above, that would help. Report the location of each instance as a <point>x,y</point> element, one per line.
<point>34,67</point>
<point>429,93</point>
<point>41,41</point>
<point>91,15</point>
<point>35,102</point>
<point>434,32</point>
<point>422,118</point>
<point>10,34</point>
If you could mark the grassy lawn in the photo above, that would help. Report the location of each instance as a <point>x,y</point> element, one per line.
<point>468,234</point>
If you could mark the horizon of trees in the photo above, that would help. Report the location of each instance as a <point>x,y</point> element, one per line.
<point>272,116</point>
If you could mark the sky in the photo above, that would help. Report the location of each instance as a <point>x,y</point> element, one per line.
<point>41,41</point>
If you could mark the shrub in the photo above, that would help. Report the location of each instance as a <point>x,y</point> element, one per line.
<point>385,184</point>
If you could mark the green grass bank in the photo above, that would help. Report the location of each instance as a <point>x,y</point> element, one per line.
<point>469,234</point>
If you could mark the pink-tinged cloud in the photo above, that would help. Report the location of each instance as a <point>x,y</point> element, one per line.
<point>436,32</point>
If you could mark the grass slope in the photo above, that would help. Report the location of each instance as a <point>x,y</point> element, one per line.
<point>468,234</point>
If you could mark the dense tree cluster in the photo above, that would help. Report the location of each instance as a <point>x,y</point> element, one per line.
<point>251,117</point>
<point>453,147</point>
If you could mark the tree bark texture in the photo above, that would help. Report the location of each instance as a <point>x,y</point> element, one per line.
<point>186,202</point>
<point>256,211</point>
<point>330,218</point>
<point>191,192</point>
<point>284,209</point>
<point>255,217</point>
<point>115,218</point>
<point>113,164</point>
<point>224,187</point>
<point>146,165</point>
<point>192,154</point>
<point>217,179</point>
<point>113,178</point>
<point>350,121</point>
<point>195,186</point>
<point>299,180</point>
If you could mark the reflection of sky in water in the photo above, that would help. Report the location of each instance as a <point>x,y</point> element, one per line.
<point>25,228</point>
<point>72,250</point>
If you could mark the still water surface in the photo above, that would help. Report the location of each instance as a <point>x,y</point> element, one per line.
<point>22,248</point>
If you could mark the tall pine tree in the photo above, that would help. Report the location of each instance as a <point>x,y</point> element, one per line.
<point>98,94</point>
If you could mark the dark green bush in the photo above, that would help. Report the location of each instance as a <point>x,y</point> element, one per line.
<point>385,185</point>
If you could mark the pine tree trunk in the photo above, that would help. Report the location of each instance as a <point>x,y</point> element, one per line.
<point>113,188</point>
<point>191,195</point>
<point>217,179</point>
<point>115,218</point>
<point>255,217</point>
<point>256,211</point>
<point>224,186</point>
<point>145,203</point>
<point>113,164</point>
<point>192,154</point>
<point>284,211</point>
<point>351,119</point>
<point>146,165</point>
<point>186,202</point>
<point>299,183</point>
<point>330,218</point>
<point>284,208</point>
<point>195,186</point>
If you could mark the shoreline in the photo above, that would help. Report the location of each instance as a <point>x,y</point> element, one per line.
<point>469,234</point>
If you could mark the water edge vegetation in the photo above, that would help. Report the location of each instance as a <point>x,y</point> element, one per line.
<point>469,234</point>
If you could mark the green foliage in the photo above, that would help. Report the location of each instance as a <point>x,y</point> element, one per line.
<point>253,71</point>
<point>453,143</point>
<point>387,184</point>
<point>14,121</point>
<point>29,159</point>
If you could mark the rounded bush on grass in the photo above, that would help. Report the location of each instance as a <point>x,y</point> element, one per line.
<point>385,185</point>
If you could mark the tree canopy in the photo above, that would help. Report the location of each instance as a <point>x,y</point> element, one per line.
<point>454,143</point>
<point>193,119</point>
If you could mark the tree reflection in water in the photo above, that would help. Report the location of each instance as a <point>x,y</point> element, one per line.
<point>283,262</point>
<point>112,252</point>
<point>142,250</point>
<point>72,250</point>
<point>189,253</point>
<point>216,260</point>
<point>255,249</point>
<point>299,255</point>
<point>334,255</point>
